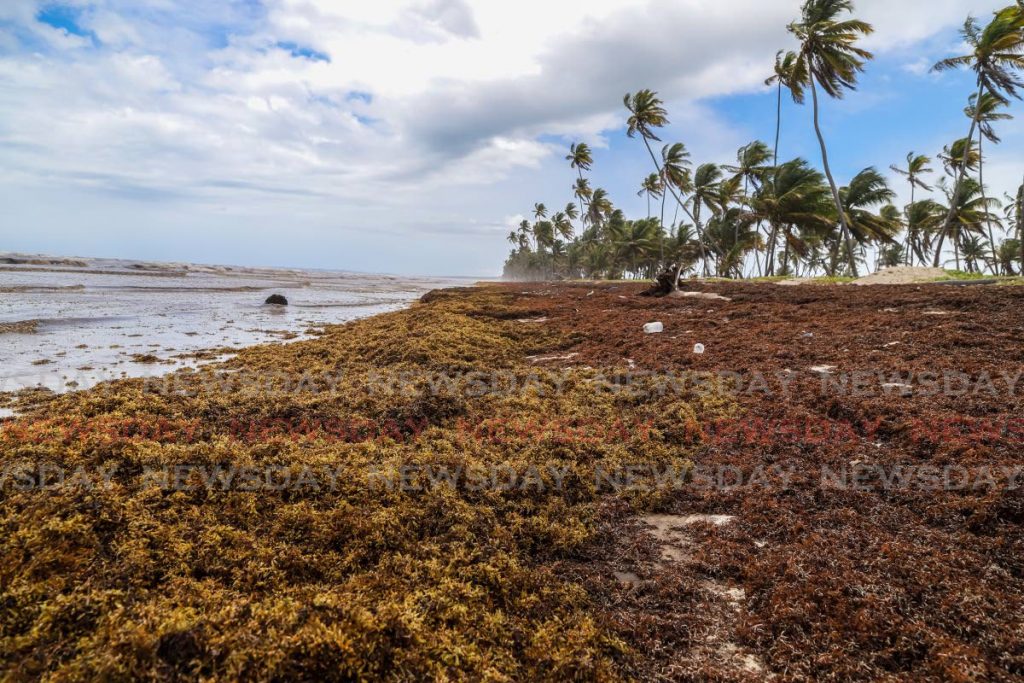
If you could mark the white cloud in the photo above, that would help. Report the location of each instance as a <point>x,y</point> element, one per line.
<point>421,100</point>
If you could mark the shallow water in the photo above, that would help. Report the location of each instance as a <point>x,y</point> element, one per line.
<point>95,321</point>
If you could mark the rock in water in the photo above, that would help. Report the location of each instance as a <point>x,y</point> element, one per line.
<point>276,300</point>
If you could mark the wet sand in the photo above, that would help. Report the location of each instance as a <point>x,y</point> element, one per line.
<point>71,323</point>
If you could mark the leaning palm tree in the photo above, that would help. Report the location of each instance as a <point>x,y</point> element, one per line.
<point>996,55</point>
<point>986,110</point>
<point>917,166</point>
<point>831,60</point>
<point>789,73</point>
<point>647,113</point>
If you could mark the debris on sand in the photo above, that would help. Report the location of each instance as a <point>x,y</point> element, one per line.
<point>654,328</point>
<point>709,296</point>
<point>20,327</point>
<point>823,369</point>
<point>902,275</point>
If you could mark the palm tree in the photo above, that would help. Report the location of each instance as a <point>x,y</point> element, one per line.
<point>831,60</point>
<point>795,204</point>
<point>675,162</point>
<point>997,52</point>
<point>582,191</point>
<point>600,207</point>
<point>954,156</point>
<point>985,110</point>
<point>1020,219</point>
<point>706,181</point>
<point>970,212</point>
<point>917,166</point>
<point>580,158</point>
<point>525,231</point>
<point>789,72</point>
<point>973,251</point>
<point>652,187</point>
<point>868,189</point>
<point>647,113</point>
<point>924,218</point>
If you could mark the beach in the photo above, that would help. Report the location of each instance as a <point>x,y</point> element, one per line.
<point>516,482</point>
<point>70,323</point>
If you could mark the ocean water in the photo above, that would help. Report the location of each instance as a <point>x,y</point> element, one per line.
<point>100,319</point>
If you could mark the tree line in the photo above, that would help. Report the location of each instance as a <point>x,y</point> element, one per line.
<point>759,216</point>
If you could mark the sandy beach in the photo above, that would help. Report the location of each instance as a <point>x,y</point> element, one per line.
<point>70,323</point>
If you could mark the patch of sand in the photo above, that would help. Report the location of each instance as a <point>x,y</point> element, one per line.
<point>902,275</point>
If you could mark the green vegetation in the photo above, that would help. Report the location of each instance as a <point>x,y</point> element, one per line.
<point>762,217</point>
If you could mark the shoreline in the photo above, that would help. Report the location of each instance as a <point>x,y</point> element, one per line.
<point>520,483</point>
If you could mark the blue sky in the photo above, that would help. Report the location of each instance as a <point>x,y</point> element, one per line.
<point>406,136</point>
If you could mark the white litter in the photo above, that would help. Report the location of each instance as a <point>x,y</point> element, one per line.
<point>654,328</point>
<point>698,349</point>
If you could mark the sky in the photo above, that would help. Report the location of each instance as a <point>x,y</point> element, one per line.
<point>407,136</point>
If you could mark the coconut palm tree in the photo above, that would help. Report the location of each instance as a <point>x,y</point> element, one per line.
<point>675,162</point>
<point>869,189</point>
<point>831,60</point>
<point>1009,251</point>
<point>973,251</point>
<point>986,110</point>
<point>794,202</point>
<point>647,114</point>
<point>789,73</point>
<point>970,213</point>
<point>1020,220</point>
<point>731,238</point>
<point>582,191</point>
<point>996,55</point>
<point>924,218</point>
<point>917,166</point>
<point>955,154</point>
<point>581,159</point>
<point>652,187</point>
<point>600,208</point>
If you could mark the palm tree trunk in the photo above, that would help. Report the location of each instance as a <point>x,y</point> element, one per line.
<point>700,235</point>
<point>960,173</point>
<point>906,247</point>
<point>981,182</point>
<point>661,228</point>
<point>1020,223</point>
<point>778,127</point>
<point>831,181</point>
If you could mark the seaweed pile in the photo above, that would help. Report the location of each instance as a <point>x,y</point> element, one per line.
<point>114,573</point>
<point>411,560</point>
